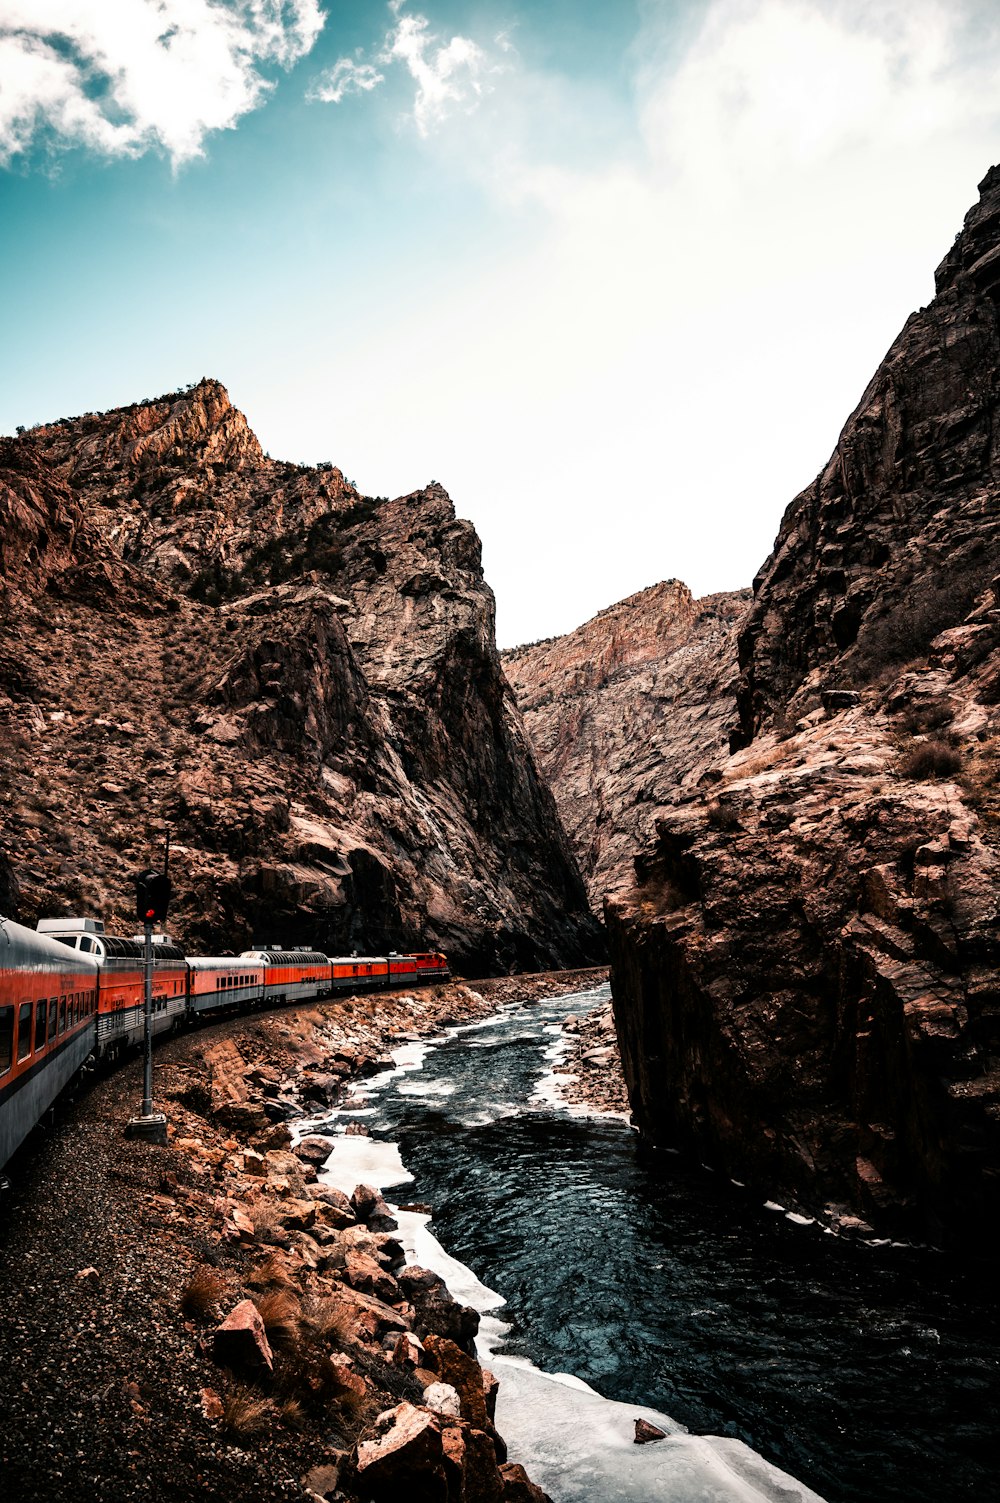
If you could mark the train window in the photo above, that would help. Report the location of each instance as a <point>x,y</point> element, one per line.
<point>24,1030</point>
<point>62,1014</point>
<point>6,1038</point>
<point>39,1026</point>
<point>53,1014</point>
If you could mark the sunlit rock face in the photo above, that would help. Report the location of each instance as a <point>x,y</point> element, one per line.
<point>625,710</point>
<point>301,682</point>
<point>805,970</point>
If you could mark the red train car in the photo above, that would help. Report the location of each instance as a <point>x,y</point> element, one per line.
<point>120,1021</point>
<point>48,1013</point>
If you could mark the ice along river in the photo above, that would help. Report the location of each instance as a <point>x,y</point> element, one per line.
<point>864,1374</point>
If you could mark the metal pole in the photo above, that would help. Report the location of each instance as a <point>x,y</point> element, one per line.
<point>147,1074</point>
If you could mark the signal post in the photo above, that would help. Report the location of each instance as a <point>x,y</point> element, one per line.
<point>152,898</point>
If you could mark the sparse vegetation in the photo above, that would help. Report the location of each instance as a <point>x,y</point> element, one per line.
<point>722,816</point>
<point>201,1292</point>
<point>246,1413</point>
<point>330,1318</point>
<point>281,1313</point>
<point>930,759</point>
<point>271,1274</point>
<point>927,715</point>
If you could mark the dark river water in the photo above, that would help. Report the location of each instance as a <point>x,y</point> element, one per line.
<point>869,1374</point>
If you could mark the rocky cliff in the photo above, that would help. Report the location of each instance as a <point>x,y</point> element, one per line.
<point>624,710</point>
<point>300,681</point>
<point>805,973</point>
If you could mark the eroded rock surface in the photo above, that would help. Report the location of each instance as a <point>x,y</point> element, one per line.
<point>805,973</point>
<point>624,710</point>
<point>300,681</point>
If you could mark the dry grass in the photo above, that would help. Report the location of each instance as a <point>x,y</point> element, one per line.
<point>265,1217</point>
<point>722,816</point>
<point>292,1414</point>
<point>281,1313</point>
<point>928,714</point>
<point>246,1413</point>
<point>331,1319</point>
<point>271,1274</point>
<point>930,759</point>
<point>201,1292</point>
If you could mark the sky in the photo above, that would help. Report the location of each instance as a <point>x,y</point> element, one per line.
<point>614,272</point>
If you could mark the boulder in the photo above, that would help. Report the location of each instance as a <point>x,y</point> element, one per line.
<point>404,1459</point>
<point>491,1387</point>
<point>436,1312</point>
<point>364,1200</point>
<point>443,1399</point>
<point>314,1150</point>
<point>364,1273</point>
<point>297,1215</point>
<point>517,1486</point>
<point>241,1341</point>
<point>408,1351</point>
<point>322,1481</point>
<point>471,1464</point>
<point>212,1406</point>
<point>645,1432</point>
<point>463,1373</point>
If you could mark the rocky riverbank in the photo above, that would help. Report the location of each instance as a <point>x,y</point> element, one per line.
<point>590,1072</point>
<point>207,1320</point>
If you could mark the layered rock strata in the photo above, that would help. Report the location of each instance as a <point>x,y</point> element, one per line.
<point>625,709</point>
<point>300,681</point>
<point>806,970</point>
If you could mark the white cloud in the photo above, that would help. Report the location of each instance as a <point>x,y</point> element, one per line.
<point>345,77</point>
<point>449,75</point>
<point>682,314</point>
<point>122,76</point>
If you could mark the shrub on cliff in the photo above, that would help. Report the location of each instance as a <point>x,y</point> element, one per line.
<point>930,759</point>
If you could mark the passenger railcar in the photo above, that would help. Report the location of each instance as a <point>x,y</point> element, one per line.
<point>292,975</point>
<point>120,1019</point>
<point>48,1009</point>
<point>219,983</point>
<point>368,971</point>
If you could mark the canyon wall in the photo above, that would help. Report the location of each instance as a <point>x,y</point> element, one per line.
<point>301,682</point>
<point>805,971</point>
<point>624,710</point>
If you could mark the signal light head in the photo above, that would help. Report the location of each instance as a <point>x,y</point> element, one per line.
<point>152,895</point>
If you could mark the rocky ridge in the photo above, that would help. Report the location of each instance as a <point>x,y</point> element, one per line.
<point>624,710</point>
<point>805,973</point>
<point>300,681</point>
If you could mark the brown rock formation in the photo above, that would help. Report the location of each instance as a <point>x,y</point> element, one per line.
<point>300,681</point>
<point>805,974</point>
<point>624,710</point>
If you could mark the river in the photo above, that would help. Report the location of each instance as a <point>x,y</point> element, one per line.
<point>869,1374</point>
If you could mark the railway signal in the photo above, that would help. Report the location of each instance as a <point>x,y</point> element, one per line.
<point>152,899</point>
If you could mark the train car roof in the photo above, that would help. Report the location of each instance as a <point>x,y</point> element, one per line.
<point>70,926</point>
<point>23,942</point>
<point>285,957</point>
<point>134,949</point>
<point>218,962</point>
<point>356,959</point>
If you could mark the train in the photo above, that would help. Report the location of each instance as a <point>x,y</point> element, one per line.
<point>72,995</point>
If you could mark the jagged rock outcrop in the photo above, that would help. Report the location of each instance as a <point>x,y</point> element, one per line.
<point>300,681</point>
<point>625,709</point>
<point>806,971</point>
